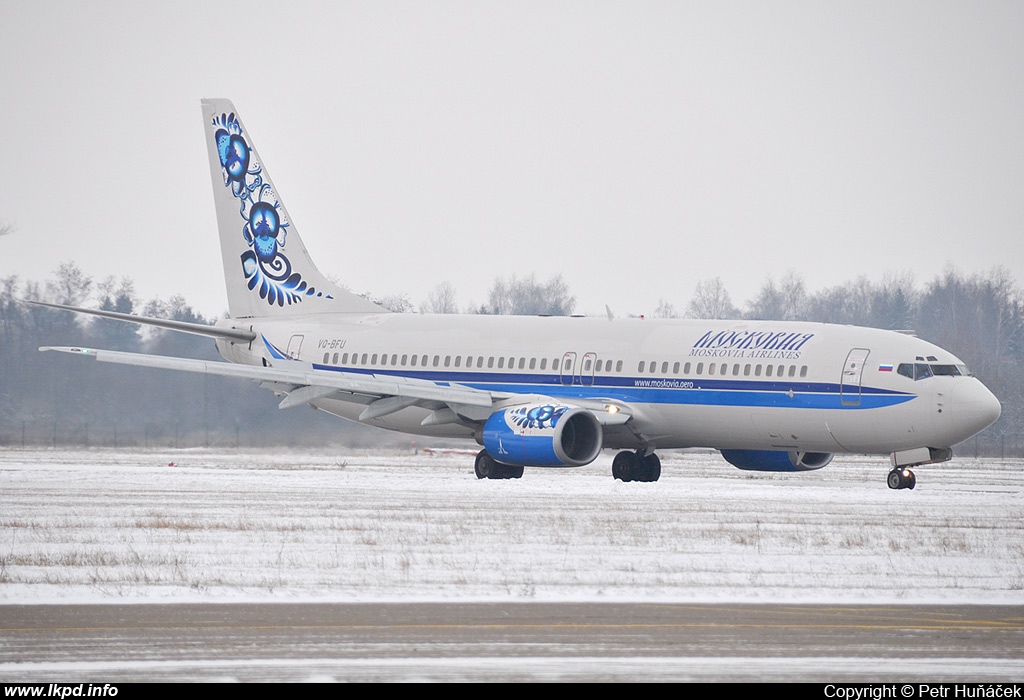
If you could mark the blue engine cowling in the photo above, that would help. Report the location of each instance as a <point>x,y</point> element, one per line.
<point>776,461</point>
<point>543,435</point>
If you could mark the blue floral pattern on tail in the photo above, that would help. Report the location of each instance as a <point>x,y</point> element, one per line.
<point>265,266</point>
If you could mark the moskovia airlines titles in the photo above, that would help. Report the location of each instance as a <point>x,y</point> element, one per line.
<point>555,391</point>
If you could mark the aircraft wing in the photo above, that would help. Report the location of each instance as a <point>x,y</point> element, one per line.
<point>381,394</point>
<point>310,383</point>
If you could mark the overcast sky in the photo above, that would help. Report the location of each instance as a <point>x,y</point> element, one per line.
<point>634,147</point>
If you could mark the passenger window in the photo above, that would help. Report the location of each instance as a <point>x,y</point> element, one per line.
<point>414,358</point>
<point>447,360</point>
<point>686,368</point>
<point>554,365</point>
<point>364,359</point>
<point>640,367</point>
<point>792,370</point>
<point>664,368</point>
<point>736,369</point>
<point>480,362</point>
<point>394,359</point>
<point>458,361</point>
<point>501,363</point>
<point>533,363</point>
<point>522,362</point>
<point>803,371</point>
<point>779,371</point>
<point>768,370</point>
<point>746,370</point>
<point>711,368</point>
<point>543,363</point>
<point>597,366</point>
<point>344,359</point>
<point>675,368</point>
<point>405,360</point>
<point>326,357</point>
<point>757,370</point>
<point>700,368</point>
<point>586,365</point>
<point>437,360</point>
<point>373,360</point>
<point>490,363</point>
<point>618,366</point>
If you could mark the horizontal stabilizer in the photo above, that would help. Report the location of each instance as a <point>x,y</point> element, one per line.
<point>243,335</point>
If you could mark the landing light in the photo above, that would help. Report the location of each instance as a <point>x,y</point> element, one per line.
<point>611,408</point>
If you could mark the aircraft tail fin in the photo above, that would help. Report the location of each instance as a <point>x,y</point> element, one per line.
<point>267,269</point>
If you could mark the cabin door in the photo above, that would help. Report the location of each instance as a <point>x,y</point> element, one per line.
<point>294,345</point>
<point>853,373</point>
<point>581,373</point>
<point>587,369</point>
<point>568,368</point>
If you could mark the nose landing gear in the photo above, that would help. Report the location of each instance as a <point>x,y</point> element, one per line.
<point>901,478</point>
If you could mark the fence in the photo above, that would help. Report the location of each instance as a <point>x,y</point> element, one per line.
<point>182,434</point>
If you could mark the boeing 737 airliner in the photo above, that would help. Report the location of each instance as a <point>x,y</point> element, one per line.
<point>554,392</point>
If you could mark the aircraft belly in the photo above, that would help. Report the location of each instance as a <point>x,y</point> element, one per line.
<point>735,427</point>
<point>882,430</point>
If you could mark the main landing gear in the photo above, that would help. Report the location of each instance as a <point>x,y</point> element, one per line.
<point>635,466</point>
<point>901,478</point>
<point>487,468</point>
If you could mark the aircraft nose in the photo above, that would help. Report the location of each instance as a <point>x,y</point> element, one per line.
<point>974,407</point>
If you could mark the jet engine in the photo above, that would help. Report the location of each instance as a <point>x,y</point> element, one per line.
<point>543,435</point>
<point>776,460</point>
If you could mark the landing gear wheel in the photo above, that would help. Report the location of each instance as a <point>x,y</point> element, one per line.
<point>894,480</point>
<point>901,478</point>
<point>485,466</point>
<point>626,467</point>
<point>651,467</point>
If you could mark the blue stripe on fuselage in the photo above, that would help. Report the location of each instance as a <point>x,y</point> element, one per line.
<point>704,392</point>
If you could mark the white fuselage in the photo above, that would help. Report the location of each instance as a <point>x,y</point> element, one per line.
<point>686,383</point>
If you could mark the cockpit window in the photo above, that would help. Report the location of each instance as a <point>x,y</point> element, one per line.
<point>921,370</point>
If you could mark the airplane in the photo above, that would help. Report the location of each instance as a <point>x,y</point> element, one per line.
<point>556,391</point>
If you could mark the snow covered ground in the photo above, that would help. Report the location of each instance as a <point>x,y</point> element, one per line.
<point>106,525</point>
